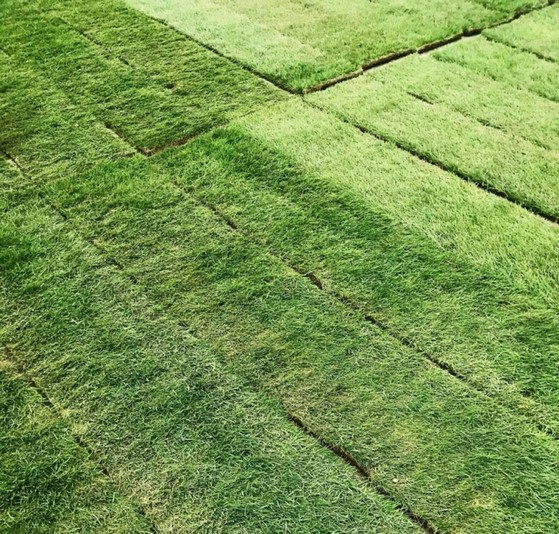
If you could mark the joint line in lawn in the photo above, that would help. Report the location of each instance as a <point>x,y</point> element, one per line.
<point>78,440</point>
<point>428,47</point>
<point>364,474</point>
<point>459,174</point>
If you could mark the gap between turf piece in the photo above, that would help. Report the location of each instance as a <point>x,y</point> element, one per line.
<point>78,440</point>
<point>338,451</point>
<point>539,55</point>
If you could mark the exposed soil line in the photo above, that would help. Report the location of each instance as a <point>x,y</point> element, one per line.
<point>20,370</point>
<point>521,49</point>
<point>116,133</point>
<point>364,474</point>
<point>428,47</point>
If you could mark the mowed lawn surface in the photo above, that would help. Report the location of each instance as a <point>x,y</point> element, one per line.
<point>227,307</point>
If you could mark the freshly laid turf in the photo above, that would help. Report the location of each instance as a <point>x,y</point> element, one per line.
<point>129,100</point>
<point>524,172</point>
<point>502,63</point>
<point>416,428</point>
<point>299,44</point>
<point>177,432</point>
<point>537,32</point>
<point>495,104</point>
<point>47,482</point>
<point>467,277</point>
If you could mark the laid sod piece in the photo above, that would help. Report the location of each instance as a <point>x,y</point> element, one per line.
<point>467,277</point>
<point>503,163</point>
<point>537,32</point>
<point>128,100</point>
<point>43,131</point>
<point>448,453</point>
<point>47,482</point>
<point>177,432</point>
<point>493,103</point>
<point>300,44</point>
<point>502,63</point>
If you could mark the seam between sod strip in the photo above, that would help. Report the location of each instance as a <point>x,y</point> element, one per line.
<point>539,55</point>
<point>78,440</point>
<point>360,470</point>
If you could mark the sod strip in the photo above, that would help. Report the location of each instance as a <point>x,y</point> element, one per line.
<point>492,103</point>
<point>499,162</point>
<point>299,45</point>
<point>537,33</point>
<point>410,246</point>
<point>47,483</point>
<point>502,63</point>
<point>43,131</point>
<point>417,430</point>
<point>178,433</point>
<point>128,100</point>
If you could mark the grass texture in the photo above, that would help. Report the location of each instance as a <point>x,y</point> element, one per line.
<point>299,44</point>
<point>176,431</point>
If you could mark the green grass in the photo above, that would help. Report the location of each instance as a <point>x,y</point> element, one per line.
<point>177,431</point>
<point>119,89</point>
<point>525,172</point>
<point>47,482</point>
<point>341,375</point>
<point>502,63</point>
<point>292,323</point>
<point>537,33</point>
<point>299,44</point>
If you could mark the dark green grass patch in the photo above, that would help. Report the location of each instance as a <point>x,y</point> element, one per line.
<point>503,162</point>
<point>177,432</point>
<point>47,482</point>
<point>445,451</point>
<point>299,44</point>
<point>131,100</point>
<point>502,63</point>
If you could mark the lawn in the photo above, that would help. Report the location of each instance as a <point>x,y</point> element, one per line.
<point>279,266</point>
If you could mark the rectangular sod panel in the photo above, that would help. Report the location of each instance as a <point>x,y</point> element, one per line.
<point>448,453</point>
<point>537,33</point>
<point>299,44</point>
<point>467,277</point>
<point>498,160</point>
<point>502,63</point>
<point>132,89</point>
<point>47,482</point>
<point>175,430</point>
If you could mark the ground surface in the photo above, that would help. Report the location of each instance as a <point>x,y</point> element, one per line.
<point>279,266</point>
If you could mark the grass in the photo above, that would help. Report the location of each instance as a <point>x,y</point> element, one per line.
<point>178,433</point>
<point>300,44</point>
<point>476,150</point>
<point>225,308</point>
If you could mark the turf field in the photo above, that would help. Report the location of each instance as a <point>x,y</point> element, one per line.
<point>279,266</point>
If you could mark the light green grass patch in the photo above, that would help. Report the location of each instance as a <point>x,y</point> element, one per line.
<point>502,63</point>
<point>299,44</point>
<point>537,32</point>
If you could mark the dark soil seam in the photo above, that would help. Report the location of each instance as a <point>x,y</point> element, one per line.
<point>364,474</point>
<point>338,451</point>
<point>78,440</point>
<point>441,166</point>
